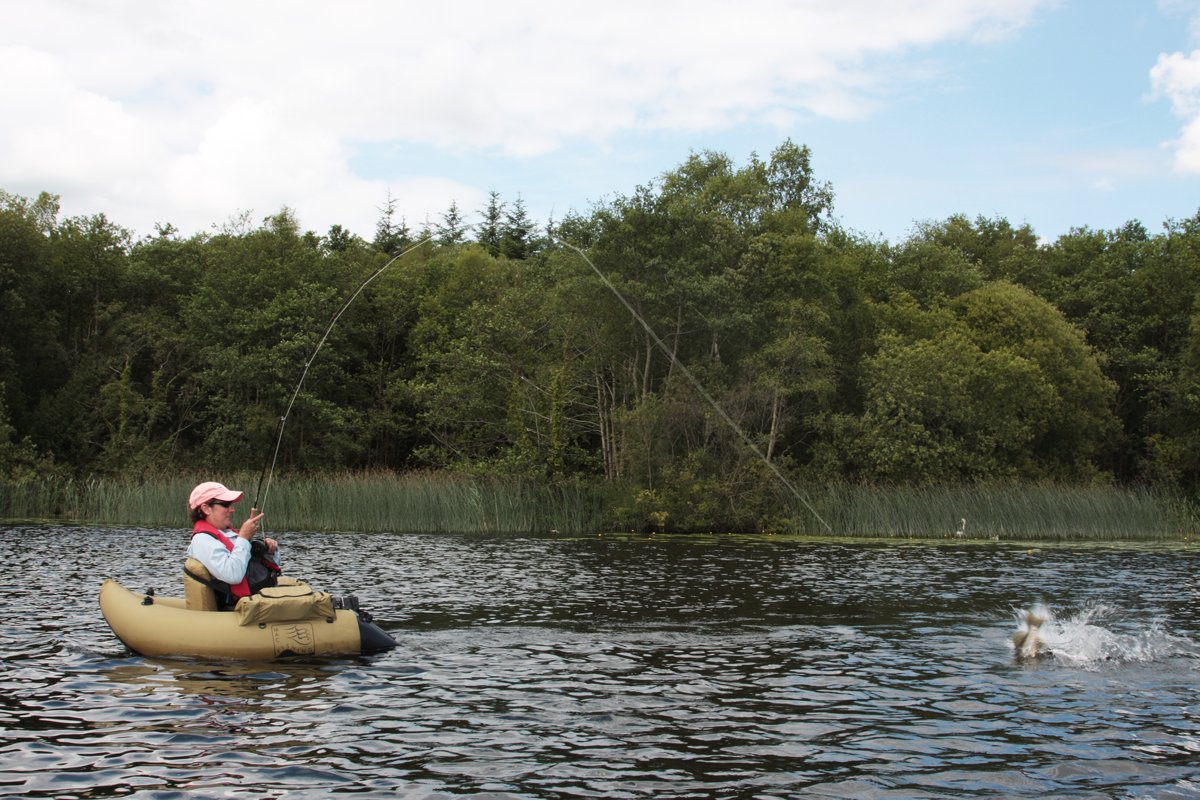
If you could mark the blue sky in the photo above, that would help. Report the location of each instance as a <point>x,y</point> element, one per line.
<point>1055,113</point>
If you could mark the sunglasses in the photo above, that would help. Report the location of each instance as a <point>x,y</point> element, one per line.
<point>221,503</point>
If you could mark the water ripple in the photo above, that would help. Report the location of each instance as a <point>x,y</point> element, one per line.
<point>633,667</point>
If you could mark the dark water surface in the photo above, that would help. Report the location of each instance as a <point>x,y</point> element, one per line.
<point>620,668</point>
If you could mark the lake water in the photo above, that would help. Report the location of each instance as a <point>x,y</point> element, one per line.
<point>627,667</point>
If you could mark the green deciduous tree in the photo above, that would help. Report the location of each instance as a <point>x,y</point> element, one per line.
<point>969,351</point>
<point>997,385</point>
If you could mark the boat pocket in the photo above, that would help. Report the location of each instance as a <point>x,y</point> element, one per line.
<point>284,604</point>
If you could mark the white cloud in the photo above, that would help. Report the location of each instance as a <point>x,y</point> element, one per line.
<point>1187,154</point>
<point>62,131</point>
<point>1177,76</point>
<point>184,112</point>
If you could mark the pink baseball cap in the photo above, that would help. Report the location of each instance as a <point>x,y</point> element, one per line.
<point>207,492</point>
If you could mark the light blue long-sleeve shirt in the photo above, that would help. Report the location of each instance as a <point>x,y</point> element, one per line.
<point>224,565</point>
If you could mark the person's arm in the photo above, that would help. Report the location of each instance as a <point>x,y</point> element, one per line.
<point>222,564</point>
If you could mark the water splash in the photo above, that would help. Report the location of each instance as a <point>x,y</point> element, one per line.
<point>1100,633</point>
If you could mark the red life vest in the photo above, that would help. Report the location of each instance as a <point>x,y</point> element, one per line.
<point>240,589</point>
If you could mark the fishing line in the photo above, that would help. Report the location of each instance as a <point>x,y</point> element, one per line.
<point>270,473</point>
<point>696,383</point>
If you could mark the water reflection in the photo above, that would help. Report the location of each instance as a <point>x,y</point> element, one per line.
<point>221,681</point>
<point>555,667</point>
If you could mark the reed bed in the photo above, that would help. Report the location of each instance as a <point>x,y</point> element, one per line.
<point>455,503</point>
<point>432,503</point>
<point>424,502</point>
<point>1000,512</point>
<point>151,503</point>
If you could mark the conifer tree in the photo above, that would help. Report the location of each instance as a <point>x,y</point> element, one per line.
<point>516,237</point>
<point>452,230</point>
<point>493,220</point>
<point>390,238</point>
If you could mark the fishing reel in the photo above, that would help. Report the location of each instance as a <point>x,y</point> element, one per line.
<point>347,602</point>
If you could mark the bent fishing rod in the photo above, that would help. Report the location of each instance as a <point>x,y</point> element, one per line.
<point>269,472</point>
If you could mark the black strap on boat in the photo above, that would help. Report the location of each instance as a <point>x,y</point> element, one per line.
<point>225,599</point>
<point>217,587</point>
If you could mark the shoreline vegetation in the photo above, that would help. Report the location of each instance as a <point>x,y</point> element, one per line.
<point>454,503</point>
<point>665,362</point>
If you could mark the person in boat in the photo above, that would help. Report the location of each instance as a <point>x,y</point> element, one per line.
<point>239,565</point>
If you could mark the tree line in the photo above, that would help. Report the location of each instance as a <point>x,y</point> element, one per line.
<point>969,352</point>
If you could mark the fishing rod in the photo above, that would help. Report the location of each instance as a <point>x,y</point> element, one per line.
<point>269,473</point>
<point>696,383</point>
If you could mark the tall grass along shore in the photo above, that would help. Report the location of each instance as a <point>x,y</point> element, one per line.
<point>1026,512</point>
<point>424,502</point>
<point>440,502</point>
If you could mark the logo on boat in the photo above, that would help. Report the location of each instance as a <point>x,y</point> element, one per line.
<point>294,638</point>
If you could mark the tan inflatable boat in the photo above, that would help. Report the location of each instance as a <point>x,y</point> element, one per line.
<point>287,620</point>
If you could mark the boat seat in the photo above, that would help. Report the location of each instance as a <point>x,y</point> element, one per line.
<point>198,596</point>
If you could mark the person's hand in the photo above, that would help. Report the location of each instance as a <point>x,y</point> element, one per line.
<point>250,526</point>
<point>272,546</point>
